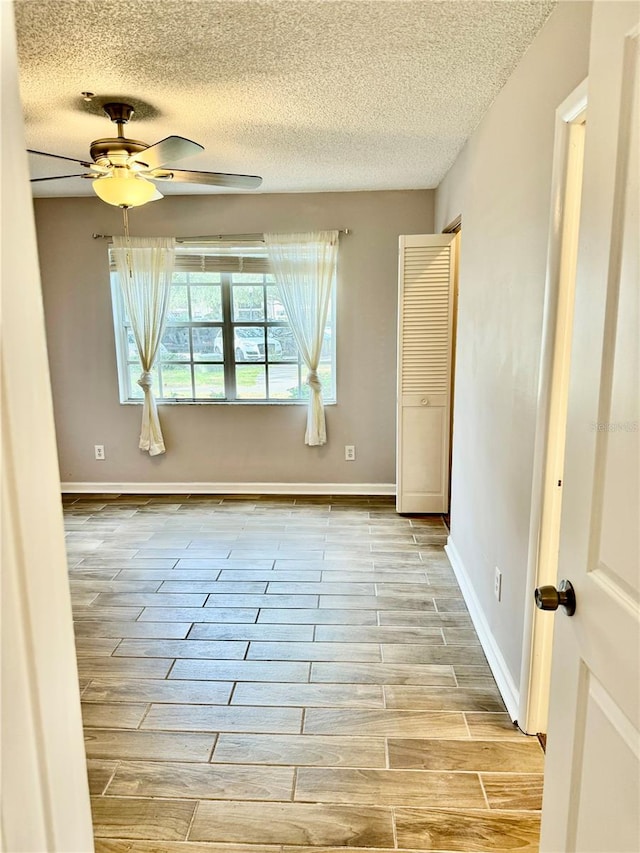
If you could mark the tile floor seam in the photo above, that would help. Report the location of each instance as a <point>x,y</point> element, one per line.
<point>193,817</point>
<point>213,747</point>
<point>231,694</point>
<point>144,715</point>
<point>109,781</point>
<point>394,828</point>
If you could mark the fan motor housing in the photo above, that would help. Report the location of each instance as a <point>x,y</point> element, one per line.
<point>101,149</point>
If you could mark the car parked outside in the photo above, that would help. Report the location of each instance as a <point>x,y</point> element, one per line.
<point>249,344</point>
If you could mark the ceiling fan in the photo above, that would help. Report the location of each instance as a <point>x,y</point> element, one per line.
<point>123,169</point>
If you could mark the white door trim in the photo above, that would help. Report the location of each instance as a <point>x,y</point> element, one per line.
<point>538,627</point>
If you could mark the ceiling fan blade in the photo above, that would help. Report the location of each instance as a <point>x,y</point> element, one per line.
<point>156,196</point>
<point>57,178</point>
<point>60,157</point>
<point>214,179</point>
<point>171,148</point>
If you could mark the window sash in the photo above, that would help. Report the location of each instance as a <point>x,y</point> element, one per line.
<point>228,363</point>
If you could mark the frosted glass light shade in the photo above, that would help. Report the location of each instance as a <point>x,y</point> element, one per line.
<point>124,189</point>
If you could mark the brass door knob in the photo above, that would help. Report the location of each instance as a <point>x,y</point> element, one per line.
<point>550,598</point>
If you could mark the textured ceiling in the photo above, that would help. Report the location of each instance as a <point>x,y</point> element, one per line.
<point>314,96</point>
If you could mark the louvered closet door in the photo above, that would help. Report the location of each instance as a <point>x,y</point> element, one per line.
<point>425,315</point>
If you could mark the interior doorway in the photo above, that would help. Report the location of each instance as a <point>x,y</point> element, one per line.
<point>553,392</point>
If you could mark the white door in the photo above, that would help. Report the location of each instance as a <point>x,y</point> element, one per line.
<point>425,319</point>
<point>592,778</point>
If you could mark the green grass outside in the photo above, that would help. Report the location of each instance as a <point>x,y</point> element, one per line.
<point>177,382</point>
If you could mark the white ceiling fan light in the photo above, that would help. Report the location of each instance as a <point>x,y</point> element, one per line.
<point>124,188</point>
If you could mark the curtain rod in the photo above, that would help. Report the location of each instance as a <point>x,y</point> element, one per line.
<point>253,238</point>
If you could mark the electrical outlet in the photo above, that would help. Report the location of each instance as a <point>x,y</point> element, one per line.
<point>497,584</point>
<point>350,452</point>
<point>99,450</point>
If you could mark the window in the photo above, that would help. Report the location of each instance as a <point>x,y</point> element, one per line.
<point>227,337</point>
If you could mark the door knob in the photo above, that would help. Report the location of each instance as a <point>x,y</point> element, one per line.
<point>550,598</point>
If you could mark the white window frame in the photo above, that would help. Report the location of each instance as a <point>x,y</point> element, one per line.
<point>244,259</point>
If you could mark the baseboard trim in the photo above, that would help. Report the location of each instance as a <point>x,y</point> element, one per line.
<point>231,488</point>
<point>506,685</point>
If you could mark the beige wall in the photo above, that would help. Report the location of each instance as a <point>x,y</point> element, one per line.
<point>501,184</point>
<point>227,443</point>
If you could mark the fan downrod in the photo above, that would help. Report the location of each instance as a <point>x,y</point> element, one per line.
<point>102,150</point>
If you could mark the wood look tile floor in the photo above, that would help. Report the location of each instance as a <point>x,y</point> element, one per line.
<point>280,675</point>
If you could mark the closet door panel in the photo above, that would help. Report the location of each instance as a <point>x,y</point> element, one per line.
<point>425,314</point>
<point>423,429</point>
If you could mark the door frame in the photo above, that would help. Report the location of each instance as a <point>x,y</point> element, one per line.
<point>45,803</point>
<point>535,671</point>
<point>454,227</point>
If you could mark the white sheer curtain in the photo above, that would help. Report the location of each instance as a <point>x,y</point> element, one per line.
<point>304,266</point>
<point>145,267</point>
